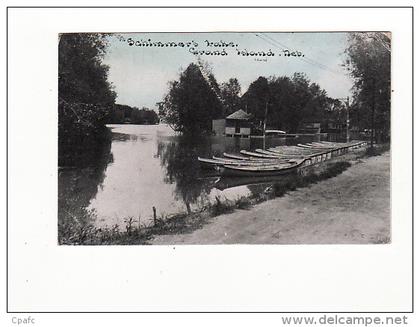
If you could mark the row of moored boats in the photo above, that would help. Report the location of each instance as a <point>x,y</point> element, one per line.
<point>277,160</point>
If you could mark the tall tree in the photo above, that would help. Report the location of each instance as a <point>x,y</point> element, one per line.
<point>369,63</point>
<point>192,102</point>
<point>257,98</point>
<point>82,77</point>
<point>281,89</point>
<point>230,92</point>
<point>85,97</point>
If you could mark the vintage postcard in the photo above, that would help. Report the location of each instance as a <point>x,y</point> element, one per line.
<point>224,138</point>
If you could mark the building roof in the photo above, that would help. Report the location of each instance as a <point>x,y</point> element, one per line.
<point>239,115</point>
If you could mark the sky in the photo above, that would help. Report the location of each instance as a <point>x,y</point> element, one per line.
<point>140,74</point>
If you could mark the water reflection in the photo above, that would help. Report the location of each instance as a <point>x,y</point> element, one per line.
<point>150,166</point>
<point>78,185</point>
<point>133,183</point>
<point>178,157</point>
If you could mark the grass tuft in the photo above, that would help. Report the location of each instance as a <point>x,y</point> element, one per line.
<point>376,150</point>
<point>293,182</point>
<point>243,203</point>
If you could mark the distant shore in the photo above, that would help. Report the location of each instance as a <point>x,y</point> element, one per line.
<point>353,207</point>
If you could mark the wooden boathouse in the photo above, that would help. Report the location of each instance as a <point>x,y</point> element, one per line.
<point>238,124</point>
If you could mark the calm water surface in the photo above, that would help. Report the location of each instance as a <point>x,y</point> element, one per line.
<point>151,166</point>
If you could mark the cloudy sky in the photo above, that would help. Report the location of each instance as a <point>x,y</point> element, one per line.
<point>140,74</point>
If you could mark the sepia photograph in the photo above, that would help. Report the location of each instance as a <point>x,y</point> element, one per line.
<point>224,138</point>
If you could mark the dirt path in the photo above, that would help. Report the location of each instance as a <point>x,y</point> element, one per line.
<point>353,207</point>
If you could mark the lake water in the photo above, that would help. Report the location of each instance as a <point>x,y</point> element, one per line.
<point>151,166</point>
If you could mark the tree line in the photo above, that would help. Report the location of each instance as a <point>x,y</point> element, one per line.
<point>120,114</point>
<point>287,103</point>
<point>87,99</point>
<point>369,63</point>
<point>191,102</point>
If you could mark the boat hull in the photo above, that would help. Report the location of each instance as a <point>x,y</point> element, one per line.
<point>227,170</point>
<point>278,160</point>
<point>258,155</point>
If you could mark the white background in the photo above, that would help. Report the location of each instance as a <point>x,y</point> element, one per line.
<point>46,277</point>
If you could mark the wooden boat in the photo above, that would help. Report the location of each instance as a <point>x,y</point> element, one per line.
<point>209,163</point>
<point>333,143</point>
<point>268,153</point>
<point>258,155</point>
<point>291,155</point>
<point>340,144</point>
<point>218,162</point>
<point>274,131</point>
<point>255,161</point>
<point>281,156</point>
<point>296,150</point>
<point>235,156</point>
<point>325,145</point>
<point>316,148</point>
<point>251,162</point>
<point>271,170</point>
<point>322,145</point>
<point>308,146</point>
<point>277,160</point>
<point>246,158</point>
<point>292,148</point>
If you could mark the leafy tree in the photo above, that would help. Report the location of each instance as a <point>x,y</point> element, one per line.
<point>191,102</point>
<point>315,107</point>
<point>257,98</point>
<point>369,63</point>
<point>335,112</point>
<point>85,97</point>
<point>281,102</point>
<point>82,77</point>
<point>289,101</point>
<point>230,92</point>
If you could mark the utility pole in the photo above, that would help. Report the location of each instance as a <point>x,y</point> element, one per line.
<point>265,123</point>
<point>347,103</point>
<point>265,116</point>
<point>348,121</point>
<point>373,114</point>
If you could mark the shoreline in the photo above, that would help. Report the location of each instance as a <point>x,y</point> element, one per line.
<point>184,223</point>
<point>351,208</point>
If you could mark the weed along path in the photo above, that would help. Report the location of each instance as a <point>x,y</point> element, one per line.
<point>353,207</point>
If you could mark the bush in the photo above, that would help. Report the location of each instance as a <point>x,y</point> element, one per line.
<point>221,207</point>
<point>82,133</point>
<point>377,150</point>
<point>243,203</point>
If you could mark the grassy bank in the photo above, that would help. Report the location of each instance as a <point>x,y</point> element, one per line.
<point>75,233</point>
<point>377,149</point>
<point>351,208</point>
